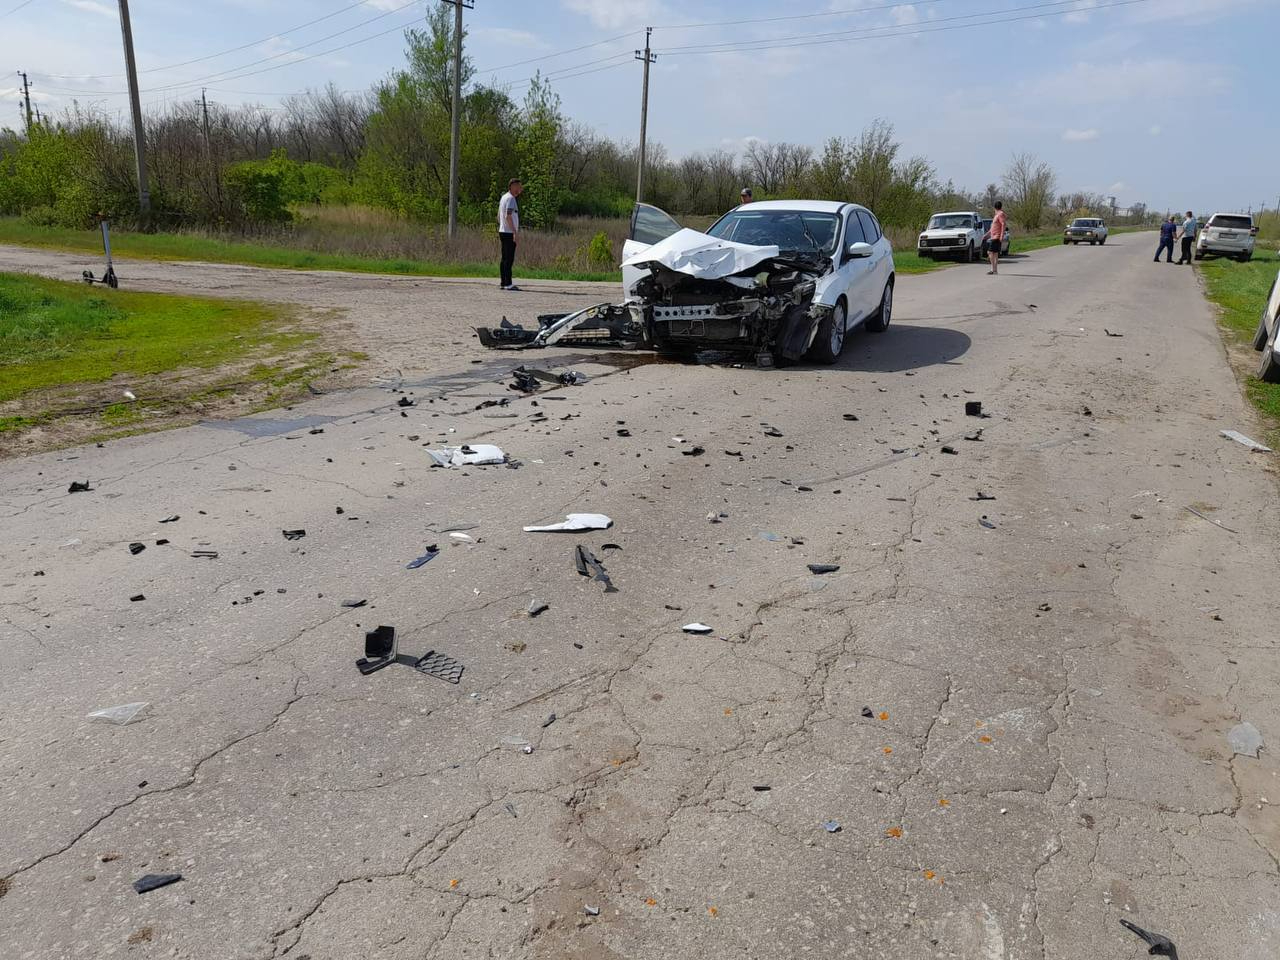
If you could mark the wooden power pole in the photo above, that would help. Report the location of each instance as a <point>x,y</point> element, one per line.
<point>648,58</point>
<point>26,97</point>
<point>455,121</point>
<point>135,106</point>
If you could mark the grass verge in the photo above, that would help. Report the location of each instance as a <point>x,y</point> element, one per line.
<point>1240,291</point>
<point>68,353</point>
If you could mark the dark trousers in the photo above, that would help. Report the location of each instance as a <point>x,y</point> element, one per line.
<point>1165,245</point>
<point>508,257</point>
<point>1186,250</point>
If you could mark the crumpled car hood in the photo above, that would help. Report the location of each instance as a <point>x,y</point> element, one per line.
<point>702,256</point>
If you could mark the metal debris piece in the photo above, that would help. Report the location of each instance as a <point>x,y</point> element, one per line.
<point>949,449</point>
<point>1160,946</point>
<point>591,911</point>
<point>589,566</point>
<point>294,534</point>
<point>154,881</point>
<point>820,568</point>
<point>428,555</point>
<point>831,826</point>
<point>439,666</point>
<point>1245,740</point>
<point>1239,437</point>
<point>693,452</point>
<point>699,628</point>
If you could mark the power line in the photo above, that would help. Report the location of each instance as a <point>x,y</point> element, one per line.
<point>16,9</point>
<point>910,31</point>
<point>561,53</point>
<point>797,16</point>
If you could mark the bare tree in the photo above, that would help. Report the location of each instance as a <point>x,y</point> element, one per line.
<point>722,178</point>
<point>763,163</point>
<point>1029,184</point>
<point>694,178</point>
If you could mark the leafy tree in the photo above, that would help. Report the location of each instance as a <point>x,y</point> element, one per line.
<point>540,126</point>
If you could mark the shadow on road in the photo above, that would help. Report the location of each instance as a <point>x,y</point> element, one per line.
<point>903,347</point>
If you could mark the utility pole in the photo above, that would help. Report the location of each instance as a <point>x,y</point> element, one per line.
<point>455,121</point>
<point>648,58</point>
<point>26,97</point>
<point>204,110</point>
<point>135,106</point>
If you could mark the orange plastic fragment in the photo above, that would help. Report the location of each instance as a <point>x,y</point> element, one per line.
<point>883,715</point>
<point>453,883</point>
<point>929,874</point>
<point>651,902</point>
<point>944,802</point>
<point>713,911</point>
<point>977,723</point>
<point>984,739</point>
<point>894,832</point>
<point>728,712</point>
<point>888,750</point>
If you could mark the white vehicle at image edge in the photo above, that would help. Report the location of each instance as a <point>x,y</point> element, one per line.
<point>1090,230</point>
<point>1265,339</point>
<point>958,234</point>
<point>775,279</point>
<point>1226,235</point>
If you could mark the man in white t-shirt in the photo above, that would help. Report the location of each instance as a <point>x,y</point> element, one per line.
<point>509,229</point>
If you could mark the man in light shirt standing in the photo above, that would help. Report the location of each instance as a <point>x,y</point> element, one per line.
<point>509,229</point>
<point>998,227</point>
<point>1189,230</point>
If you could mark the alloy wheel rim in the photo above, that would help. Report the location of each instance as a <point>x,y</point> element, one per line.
<point>837,329</point>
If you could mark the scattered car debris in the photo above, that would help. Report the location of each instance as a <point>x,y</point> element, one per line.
<point>820,568</point>
<point>602,324</point>
<point>611,546</point>
<point>975,437</point>
<point>973,408</point>
<point>511,809</point>
<point>982,496</point>
<point>551,718</point>
<point>537,607</point>
<point>429,554</point>
<point>480,454</point>
<point>574,523</point>
<point>294,534</point>
<point>439,666</point>
<point>951,450</point>
<point>772,432</point>
<point>205,554</point>
<point>1160,946</point>
<point>867,712</point>
<point>589,566</point>
<point>461,537</point>
<point>405,402</point>
<point>136,548</point>
<point>986,523</point>
<point>851,417</point>
<point>354,604</point>
<point>1044,608</point>
<point>120,715</point>
<point>526,379</point>
<point>698,628</point>
<point>137,598</point>
<point>624,432</point>
<point>172,518</point>
<point>1110,334</point>
<point>78,487</point>
<point>831,826</point>
<point>761,787</point>
<point>161,542</point>
<point>1245,740</point>
<point>154,881</point>
<point>591,911</point>
<point>1239,437</point>
<point>1210,519</point>
<point>693,452</point>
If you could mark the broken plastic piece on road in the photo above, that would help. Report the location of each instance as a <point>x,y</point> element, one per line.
<point>463,537</point>
<point>379,650</point>
<point>866,712</point>
<point>404,402</point>
<point>851,417</point>
<point>1159,945</point>
<point>136,548</point>
<point>473,455</point>
<point>700,628</point>
<point>973,408</point>
<point>137,597</point>
<point>761,787</point>
<point>353,604</point>
<point>439,666</point>
<point>428,555</point>
<point>172,518</point>
<point>771,537</point>
<point>78,487</point>
<point>537,607</point>
<point>772,432</point>
<point>693,452</point>
<point>591,911</point>
<point>831,826</point>
<point>588,566</point>
<point>1110,334</point>
<point>154,881</point>
<point>551,718</point>
<point>294,534</point>
<point>574,523</point>
<point>982,496</point>
<point>951,450</point>
<point>820,568</point>
<point>511,809</point>
<point>1239,437</point>
<point>987,523</point>
<point>205,554</point>
<point>121,715</point>
<point>1245,740</point>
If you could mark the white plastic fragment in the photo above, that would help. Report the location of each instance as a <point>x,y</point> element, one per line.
<point>124,713</point>
<point>1239,437</point>
<point>1245,740</point>
<point>479,455</point>
<point>575,522</point>
<point>696,628</point>
<point>462,537</point>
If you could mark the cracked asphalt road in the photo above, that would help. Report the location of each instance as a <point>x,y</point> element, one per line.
<point>1049,697</point>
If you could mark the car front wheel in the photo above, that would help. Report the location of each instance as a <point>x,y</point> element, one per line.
<point>1260,338</point>
<point>878,322</point>
<point>829,341</point>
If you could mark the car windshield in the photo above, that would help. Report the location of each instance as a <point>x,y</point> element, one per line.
<point>1085,223</point>
<point>795,231</point>
<point>950,221</point>
<point>1232,222</point>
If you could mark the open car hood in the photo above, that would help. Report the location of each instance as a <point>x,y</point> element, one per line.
<point>701,255</point>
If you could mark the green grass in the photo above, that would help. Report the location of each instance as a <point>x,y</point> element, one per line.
<point>1240,290</point>
<point>53,334</point>
<point>181,246</point>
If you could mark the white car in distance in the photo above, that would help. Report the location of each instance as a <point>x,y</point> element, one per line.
<point>956,234</point>
<point>1090,230</point>
<point>1227,235</point>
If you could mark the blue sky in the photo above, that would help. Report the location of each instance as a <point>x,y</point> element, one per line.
<point>1169,102</point>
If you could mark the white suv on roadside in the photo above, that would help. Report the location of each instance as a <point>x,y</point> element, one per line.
<point>957,234</point>
<point>1226,235</point>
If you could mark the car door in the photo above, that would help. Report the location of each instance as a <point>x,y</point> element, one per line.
<point>881,258</point>
<point>853,272</point>
<point>649,225</point>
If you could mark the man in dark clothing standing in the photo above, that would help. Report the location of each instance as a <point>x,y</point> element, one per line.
<point>508,229</point>
<point>1167,231</point>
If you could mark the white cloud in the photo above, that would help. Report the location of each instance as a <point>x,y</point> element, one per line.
<point>93,6</point>
<point>1080,15</point>
<point>1126,80</point>
<point>1080,136</point>
<point>1117,188</point>
<point>509,37</point>
<point>612,15</point>
<point>1155,129</point>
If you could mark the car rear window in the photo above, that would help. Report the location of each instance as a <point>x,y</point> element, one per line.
<point>1232,222</point>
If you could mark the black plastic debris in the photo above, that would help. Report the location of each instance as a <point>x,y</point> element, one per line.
<point>338,511</point>
<point>379,650</point>
<point>772,432</point>
<point>589,566</point>
<point>314,430</point>
<point>172,518</point>
<point>1110,334</point>
<point>987,523</point>
<point>405,402</point>
<point>733,453</point>
<point>693,452</point>
<point>551,718</point>
<point>982,496</point>
<point>154,881</point>
<point>294,534</point>
<point>439,666</point>
<point>136,598</point>
<point>205,554</point>
<point>951,450</point>
<point>1160,946</point>
<point>427,556</point>
<point>136,548</point>
<point>78,487</point>
<point>820,568</point>
<point>162,542</point>
<point>538,607</point>
<point>353,604</point>
<point>866,712</point>
<point>761,787</point>
<point>611,546</point>
<point>851,417</point>
<point>624,432</point>
<point>973,408</point>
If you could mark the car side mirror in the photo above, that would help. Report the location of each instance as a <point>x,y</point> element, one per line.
<point>857,251</point>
